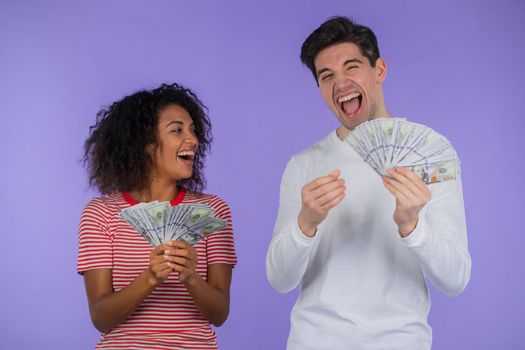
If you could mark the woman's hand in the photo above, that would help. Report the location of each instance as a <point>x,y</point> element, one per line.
<point>182,257</point>
<point>159,264</point>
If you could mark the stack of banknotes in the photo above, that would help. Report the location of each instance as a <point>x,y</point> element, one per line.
<point>159,222</point>
<point>395,142</point>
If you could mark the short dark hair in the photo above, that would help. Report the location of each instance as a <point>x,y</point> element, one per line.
<point>337,30</point>
<point>116,152</point>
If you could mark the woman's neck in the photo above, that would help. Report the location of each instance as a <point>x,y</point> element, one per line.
<point>157,190</point>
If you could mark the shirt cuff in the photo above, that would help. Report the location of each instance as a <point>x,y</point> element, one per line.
<point>300,238</point>
<point>420,234</point>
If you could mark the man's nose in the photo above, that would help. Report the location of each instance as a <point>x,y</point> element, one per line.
<point>342,82</point>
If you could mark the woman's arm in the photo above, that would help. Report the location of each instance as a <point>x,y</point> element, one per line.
<point>108,308</point>
<point>211,297</point>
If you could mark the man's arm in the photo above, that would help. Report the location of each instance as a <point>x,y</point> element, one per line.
<point>437,233</point>
<point>301,210</point>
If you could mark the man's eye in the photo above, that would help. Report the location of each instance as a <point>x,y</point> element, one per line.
<point>352,67</point>
<point>326,77</point>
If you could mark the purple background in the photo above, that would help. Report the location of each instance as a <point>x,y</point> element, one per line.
<point>453,65</point>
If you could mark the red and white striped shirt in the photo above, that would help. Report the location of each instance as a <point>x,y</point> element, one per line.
<point>167,318</point>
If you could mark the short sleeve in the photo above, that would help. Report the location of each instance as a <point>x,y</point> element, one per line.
<point>94,239</point>
<point>220,247</point>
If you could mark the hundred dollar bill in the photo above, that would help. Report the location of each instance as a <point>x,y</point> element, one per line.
<point>203,228</point>
<point>395,142</point>
<point>199,212</point>
<point>159,222</point>
<point>437,172</point>
<point>157,217</point>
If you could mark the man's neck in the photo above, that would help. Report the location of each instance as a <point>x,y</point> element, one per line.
<point>343,132</point>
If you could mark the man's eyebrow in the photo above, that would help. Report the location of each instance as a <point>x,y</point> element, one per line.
<point>321,71</point>
<point>352,60</point>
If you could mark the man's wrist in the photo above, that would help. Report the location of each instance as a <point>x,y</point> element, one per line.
<point>406,229</point>
<point>307,228</point>
<point>308,231</point>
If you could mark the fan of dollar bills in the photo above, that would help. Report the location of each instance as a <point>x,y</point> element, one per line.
<point>159,222</point>
<point>395,142</point>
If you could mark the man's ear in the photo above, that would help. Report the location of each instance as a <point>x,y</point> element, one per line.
<point>380,70</point>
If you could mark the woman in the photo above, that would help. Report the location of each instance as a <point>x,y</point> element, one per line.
<point>151,146</point>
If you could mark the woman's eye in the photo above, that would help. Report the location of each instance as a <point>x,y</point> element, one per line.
<point>176,131</point>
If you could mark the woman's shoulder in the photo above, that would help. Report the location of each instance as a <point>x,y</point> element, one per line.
<point>107,203</point>
<point>209,199</point>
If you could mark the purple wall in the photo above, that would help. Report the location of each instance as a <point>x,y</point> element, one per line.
<point>455,66</point>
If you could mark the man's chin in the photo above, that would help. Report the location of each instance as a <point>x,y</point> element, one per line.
<point>352,122</point>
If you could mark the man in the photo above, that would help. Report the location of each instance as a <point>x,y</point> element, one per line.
<point>361,245</point>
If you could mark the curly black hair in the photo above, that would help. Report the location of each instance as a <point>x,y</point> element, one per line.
<point>337,30</point>
<point>116,151</point>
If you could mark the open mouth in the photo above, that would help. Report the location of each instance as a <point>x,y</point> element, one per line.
<point>186,155</point>
<point>351,103</point>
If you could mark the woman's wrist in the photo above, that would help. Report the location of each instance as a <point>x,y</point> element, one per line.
<point>192,281</point>
<point>150,278</point>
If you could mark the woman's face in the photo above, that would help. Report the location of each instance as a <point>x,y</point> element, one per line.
<point>177,145</point>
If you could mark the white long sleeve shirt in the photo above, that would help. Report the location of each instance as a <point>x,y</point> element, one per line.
<point>362,285</point>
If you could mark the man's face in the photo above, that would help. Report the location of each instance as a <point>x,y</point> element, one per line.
<point>350,86</point>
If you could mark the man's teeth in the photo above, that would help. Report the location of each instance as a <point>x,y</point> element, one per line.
<point>348,97</point>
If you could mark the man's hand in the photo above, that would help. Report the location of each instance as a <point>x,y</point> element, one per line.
<point>318,197</point>
<point>411,195</point>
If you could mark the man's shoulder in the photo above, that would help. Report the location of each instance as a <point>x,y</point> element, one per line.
<point>315,150</point>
